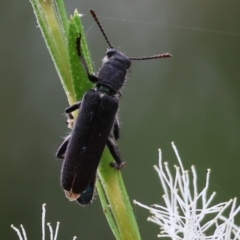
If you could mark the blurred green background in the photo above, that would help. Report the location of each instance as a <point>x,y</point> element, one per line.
<point>192,99</point>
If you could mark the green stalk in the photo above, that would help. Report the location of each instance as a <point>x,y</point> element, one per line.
<point>60,36</point>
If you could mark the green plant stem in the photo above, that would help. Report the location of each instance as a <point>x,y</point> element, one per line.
<point>60,37</point>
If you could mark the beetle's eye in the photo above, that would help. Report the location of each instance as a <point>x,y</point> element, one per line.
<point>110,52</point>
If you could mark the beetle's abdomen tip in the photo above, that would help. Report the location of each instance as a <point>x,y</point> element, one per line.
<point>71,196</point>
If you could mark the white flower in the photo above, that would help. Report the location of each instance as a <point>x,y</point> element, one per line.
<point>188,214</point>
<point>23,235</point>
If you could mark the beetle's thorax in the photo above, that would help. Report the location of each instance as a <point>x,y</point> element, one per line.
<point>113,72</point>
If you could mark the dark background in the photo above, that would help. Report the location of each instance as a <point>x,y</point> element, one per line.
<point>192,99</point>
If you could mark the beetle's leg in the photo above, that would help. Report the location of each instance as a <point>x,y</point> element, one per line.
<point>69,110</point>
<point>72,108</point>
<point>116,129</point>
<point>63,147</point>
<point>92,78</point>
<point>118,164</point>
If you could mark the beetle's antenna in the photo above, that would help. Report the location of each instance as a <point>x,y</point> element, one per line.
<point>100,26</point>
<point>162,55</point>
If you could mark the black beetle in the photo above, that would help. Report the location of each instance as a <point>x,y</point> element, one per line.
<point>96,125</point>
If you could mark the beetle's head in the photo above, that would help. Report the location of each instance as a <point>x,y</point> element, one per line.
<point>114,55</point>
